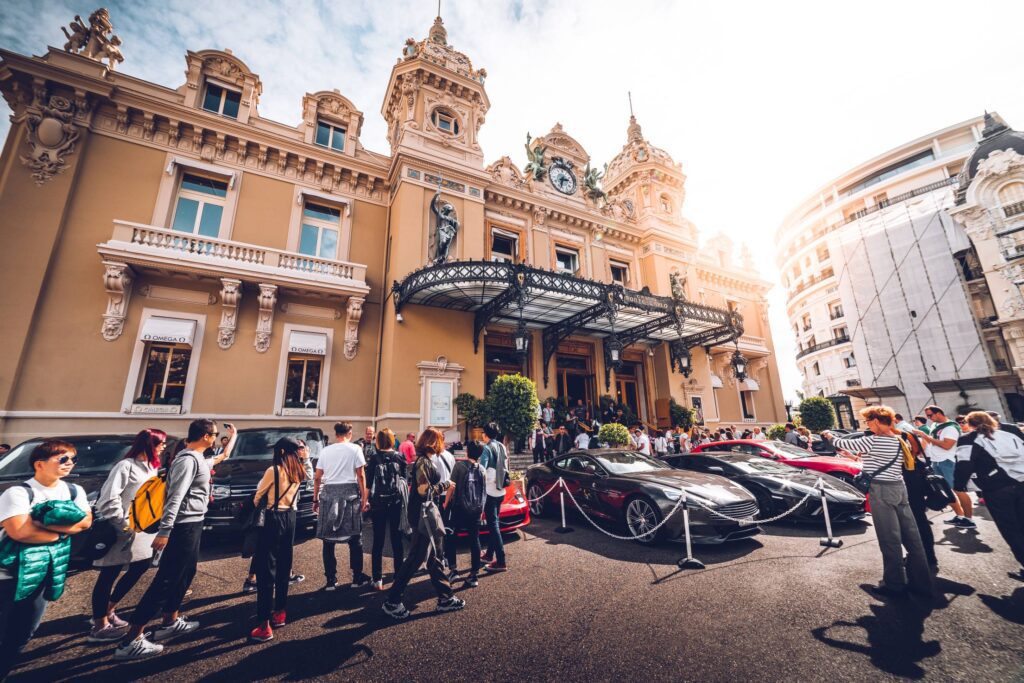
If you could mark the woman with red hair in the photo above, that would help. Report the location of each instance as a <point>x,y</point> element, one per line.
<point>131,549</point>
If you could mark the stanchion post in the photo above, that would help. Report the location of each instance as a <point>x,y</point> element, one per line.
<point>829,541</point>
<point>688,562</point>
<point>564,529</point>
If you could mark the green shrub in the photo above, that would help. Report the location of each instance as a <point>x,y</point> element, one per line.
<point>776,432</point>
<point>681,415</point>
<point>614,435</point>
<point>817,413</point>
<point>512,404</point>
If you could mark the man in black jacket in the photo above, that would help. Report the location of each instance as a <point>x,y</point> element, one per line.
<point>563,442</point>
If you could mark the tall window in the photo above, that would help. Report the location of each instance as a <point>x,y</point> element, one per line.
<point>835,310</point>
<point>222,101</point>
<point>302,389</point>
<point>445,121</point>
<point>849,361</point>
<point>567,260</point>
<point>620,273</point>
<point>200,205</point>
<point>504,246</point>
<point>806,320</point>
<point>823,254</point>
<point>319,236</point>
<point>163,381</point>
<point>330,136</point>
<point>840,333</point>
<point>747,404</point>
<point>817,369</point>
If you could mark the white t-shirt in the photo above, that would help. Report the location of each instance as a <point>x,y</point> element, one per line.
<point>15,501</point>
<point>444,463</point>
<point>582,440</point>
<point>937,454</point>
<point>643,444</point>
<point>661,444</point>
<point>339,462</point>
<point>759,436</point>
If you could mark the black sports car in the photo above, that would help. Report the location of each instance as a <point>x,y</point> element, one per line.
<point>638,491</point>
<point>777,486</point>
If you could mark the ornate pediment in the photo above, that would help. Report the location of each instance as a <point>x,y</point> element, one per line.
<point>505,172</point>
<point>560,143</point>
<point>334,107</point>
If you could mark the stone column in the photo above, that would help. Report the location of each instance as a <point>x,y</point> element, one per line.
<point>265,321</point>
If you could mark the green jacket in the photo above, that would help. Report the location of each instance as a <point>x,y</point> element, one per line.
<point>31,563</point>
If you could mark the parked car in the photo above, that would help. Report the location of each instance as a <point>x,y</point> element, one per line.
<point>842,468</point>
<point>638,491</point>
<point>777,486</point>
<point>513,514</point>
<point>235,479</point>
<point>97,454</point>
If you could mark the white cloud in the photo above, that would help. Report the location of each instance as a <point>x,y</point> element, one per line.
<point>761,102</point>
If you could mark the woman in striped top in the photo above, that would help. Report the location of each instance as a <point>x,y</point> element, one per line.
<point>881,454</point>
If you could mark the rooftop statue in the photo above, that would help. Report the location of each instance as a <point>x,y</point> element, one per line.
<point>95,41</point>
<point>592,183</point>
<point>535,160</point>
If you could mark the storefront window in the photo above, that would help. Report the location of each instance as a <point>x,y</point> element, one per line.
<point>302,389</point>
<point>163,381</point>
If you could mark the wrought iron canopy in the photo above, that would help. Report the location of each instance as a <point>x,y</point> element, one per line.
<point>560,304</point>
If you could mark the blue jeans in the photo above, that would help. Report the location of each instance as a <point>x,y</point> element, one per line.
<point>946,469</point>
<point>495,544</point>
<point>18,622</point>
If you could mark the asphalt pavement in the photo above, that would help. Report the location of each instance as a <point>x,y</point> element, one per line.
<point>582,606</point>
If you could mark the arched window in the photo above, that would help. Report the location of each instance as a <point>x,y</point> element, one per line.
<point>445,121</point>
<point>1011,198</point>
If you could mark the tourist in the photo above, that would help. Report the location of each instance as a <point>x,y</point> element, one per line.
<point>921,422</point>
<point>367,442</point>
<point>660,444</point>
<point>608,414</point>
<point>902,425</point>
<point>895,527</point>
<point>804,438</point>
<point>426,486</point>
<point>582,440</point>
<point>408,448</point>
<point>276,538</point>
<point>466,498</point>
<point>826,445</point>
<point>563,442</point>
<point>940,447</point>
<point>758,435</point>
<point>915,478</point>
<point>176,545</point>
<point>51,461</point>
<point>538,442</point>
<point>641,440</point>
<point>792,437</point>
<point>494,460</point>
<point>547,413</point>
<point>993,454</point>
<point>223,443</point>
<point>338,485</point>
<point>131,551</point>
<point>385,472</point>
<point>5,448</point>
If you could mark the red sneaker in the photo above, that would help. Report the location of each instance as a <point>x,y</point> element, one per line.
<point>277,619</point>
<point>261,634</point>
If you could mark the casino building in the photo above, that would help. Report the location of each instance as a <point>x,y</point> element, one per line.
<point>171,254</point>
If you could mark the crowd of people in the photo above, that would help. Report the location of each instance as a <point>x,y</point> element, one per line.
<point>414,493</point>
<point>418,496</point>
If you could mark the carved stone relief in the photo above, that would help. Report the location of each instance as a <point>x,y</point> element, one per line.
<point>353,313</point>
<point>117,281</point>
<point>51,137</point>
<point>265,319</point>
<point>231,296</point>
<point>95,41</point>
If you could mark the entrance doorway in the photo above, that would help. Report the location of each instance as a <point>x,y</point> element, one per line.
<point>627,388</point>
<point>575,378</point>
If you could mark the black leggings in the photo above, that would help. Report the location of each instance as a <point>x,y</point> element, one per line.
<point>105,592</point>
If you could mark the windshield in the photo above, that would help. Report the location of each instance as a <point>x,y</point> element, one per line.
<point>625,463</point>
<point>95,454</point>
<point>260,445</point>
<point>793,451</point>
<point>759,465</point>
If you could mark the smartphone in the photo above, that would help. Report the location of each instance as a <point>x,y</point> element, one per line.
<point>228,425</point>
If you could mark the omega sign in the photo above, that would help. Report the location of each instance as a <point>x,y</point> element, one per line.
<point>313,350</point>
<point>167,338</point>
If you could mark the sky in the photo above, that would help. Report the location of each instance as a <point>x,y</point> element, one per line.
<point>761,102</point>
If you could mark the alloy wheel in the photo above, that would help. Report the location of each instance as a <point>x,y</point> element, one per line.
<point>536,506</point>
<point>641,518</point>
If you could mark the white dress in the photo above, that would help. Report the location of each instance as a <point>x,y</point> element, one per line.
<point>113,503</point>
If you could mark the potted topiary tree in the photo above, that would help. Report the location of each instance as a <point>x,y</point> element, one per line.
<point>681,415</point>
<point>474,411</point>
<point>817,413</point>
<point>512,405</point>
<point>614,435</point>
<point>776,432</point>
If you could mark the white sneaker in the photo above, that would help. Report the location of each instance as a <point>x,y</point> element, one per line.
<point>107,634</point>
<point>179,627</point>
<point>140,648</point>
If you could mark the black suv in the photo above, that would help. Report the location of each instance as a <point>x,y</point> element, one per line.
<point>235,479</point>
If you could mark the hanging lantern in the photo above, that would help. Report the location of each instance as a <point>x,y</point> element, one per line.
<point>685,362</point>
<point>522,338</point>
<point>614,347</point>
<point>739,364</point>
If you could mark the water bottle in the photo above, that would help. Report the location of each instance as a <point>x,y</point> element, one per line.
<point>156,557</point>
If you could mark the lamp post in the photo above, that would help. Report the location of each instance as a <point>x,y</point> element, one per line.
<point>739,364</point>
<point>685,362</point>
<point>614,347</point>
<point>522,339</point>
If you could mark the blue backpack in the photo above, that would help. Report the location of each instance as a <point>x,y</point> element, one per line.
<point>469,498</point>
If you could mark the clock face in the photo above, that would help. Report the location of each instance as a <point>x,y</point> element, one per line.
<point>562,178</point>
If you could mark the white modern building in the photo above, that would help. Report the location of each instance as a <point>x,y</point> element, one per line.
<point>881,295</point>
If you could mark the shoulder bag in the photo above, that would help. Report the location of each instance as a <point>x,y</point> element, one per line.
<point>862,482</point>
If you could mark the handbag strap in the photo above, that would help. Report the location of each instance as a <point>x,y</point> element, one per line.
<point>899,454</point>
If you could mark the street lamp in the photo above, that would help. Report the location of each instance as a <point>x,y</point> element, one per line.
<point>739,364</point>
<point>522,338</point>
<point>614,347</point>
<point>685,362</point>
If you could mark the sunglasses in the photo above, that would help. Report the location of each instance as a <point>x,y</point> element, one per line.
<point>213,433</point>
<point>65,459</point>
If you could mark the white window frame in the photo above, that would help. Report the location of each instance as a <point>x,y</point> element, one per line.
<point>567,251</point>
<point>612,265</point>
<point>509,235</point>
<point>321,225</point>
<point>439,114</point>
<point>135,370</point>
<point>334,129</point>
<point>282,372</point>
<point>170,181</point>
<point>836,332</point>
<point>302,194</point>
<point>223,98</point>
<point>203,198</point>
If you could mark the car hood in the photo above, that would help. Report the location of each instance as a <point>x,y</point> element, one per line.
<point>241,472</point>
<point>834,488</point>
<point>710,487</point>
<point>826,460</point>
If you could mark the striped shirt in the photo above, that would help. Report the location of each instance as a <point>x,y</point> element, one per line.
<point>876,453</point>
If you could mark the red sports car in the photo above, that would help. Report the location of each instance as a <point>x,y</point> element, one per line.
<point>514,513</point>
<point>839,467</point>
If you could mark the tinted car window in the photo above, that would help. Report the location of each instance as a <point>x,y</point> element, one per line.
<point>757,465</point>
<point>259,445</point>
<point>792,451</point>
<point>624,463</point>
<point>95,454</point>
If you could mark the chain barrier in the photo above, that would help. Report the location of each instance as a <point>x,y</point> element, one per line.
<point>632,536</point>
<point>554,486</point>
<point>815,490</point>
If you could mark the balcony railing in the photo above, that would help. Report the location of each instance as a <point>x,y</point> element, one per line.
<point>1011,210</point>
<point>823,345</point>
<point>162,248</point>
<point>835,315</point>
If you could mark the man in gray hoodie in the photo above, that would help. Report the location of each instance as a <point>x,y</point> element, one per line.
<point>176,545</point>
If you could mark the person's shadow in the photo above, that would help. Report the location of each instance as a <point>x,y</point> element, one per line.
<point>964,542</point>
<point>894,631</point>
<point>1009,607</point>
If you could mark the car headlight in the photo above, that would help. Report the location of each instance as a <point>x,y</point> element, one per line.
<point>221,492</point>
<point>519,498</point>
<point>672,494</point>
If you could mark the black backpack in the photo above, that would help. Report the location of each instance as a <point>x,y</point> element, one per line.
<point>385,480</point>
<point>469,497</point>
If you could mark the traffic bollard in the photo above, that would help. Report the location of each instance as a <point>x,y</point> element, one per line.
<point>828,542</point>
<point>688,562</point>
